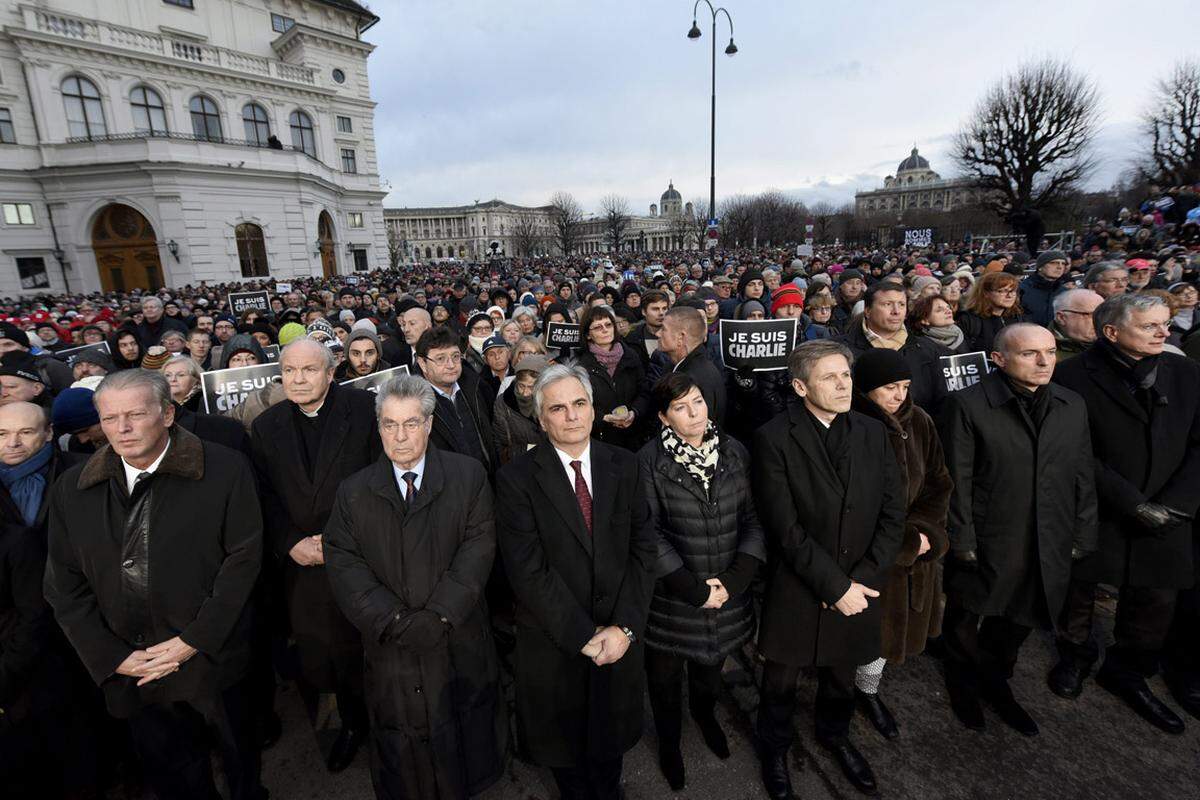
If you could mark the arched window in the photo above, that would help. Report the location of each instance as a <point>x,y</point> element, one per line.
<point>252,252</point>
<point>254,120</point>
<point>302,133</point>
<point>85,113</point>
<point>439,251</point>
<point>148,113</point>
<point>427,253</point>
<point>206,119</point>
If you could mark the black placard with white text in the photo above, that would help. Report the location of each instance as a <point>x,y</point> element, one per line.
<point>241,301</point>
<point>963,370</point>
<point>563,335</point>
<point>225,389</point>
<point>761,344</point>
<point>375,380</point>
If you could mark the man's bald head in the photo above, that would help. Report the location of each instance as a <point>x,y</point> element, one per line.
<point>24,430</point>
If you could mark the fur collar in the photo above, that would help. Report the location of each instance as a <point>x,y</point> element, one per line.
<point>185,458</point>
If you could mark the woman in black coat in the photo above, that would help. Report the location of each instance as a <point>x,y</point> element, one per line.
<point>620,393</point>
<point>993,304</point>
<point>710,545</point>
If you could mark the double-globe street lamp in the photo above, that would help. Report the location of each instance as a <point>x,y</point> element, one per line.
<point>694,33</point>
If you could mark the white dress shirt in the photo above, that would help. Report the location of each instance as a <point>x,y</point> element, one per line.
<point>132,472</point>
<point>585,466</point>
<point>418,469</point>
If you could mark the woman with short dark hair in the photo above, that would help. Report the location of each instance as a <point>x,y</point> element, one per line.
<point>621,395</point>
<point>710,545</point>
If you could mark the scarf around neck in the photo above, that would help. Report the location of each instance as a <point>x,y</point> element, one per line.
<point>26,482</point>
<point>701,462</point>
<point>610,358</point>
<point>946,335</point>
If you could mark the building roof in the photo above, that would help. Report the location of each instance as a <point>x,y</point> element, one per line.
<point>451,210</point>
<point>670,193</point>
<point>366,15</point>
<point>913,161</point>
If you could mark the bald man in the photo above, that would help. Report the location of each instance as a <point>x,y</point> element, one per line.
<point>413,323</point>
<point>29,463</point>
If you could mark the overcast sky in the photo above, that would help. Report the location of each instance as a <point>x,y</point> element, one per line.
<point>516,100</point>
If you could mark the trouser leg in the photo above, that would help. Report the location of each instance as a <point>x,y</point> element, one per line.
<point>1075,641</point>
<point>960,637</point>
<point>171,740</point>
<point>704,687</point>
<point>1143,619</point>
<point>1181,650</point>
<point>777,703</point>
<point>231,719</point>
<point>352,708</point>
<point>664,677</point>
<point>1000,641</point>
<point>835,702</point>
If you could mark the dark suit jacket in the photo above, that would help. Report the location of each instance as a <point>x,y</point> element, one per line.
<point>567,583</point>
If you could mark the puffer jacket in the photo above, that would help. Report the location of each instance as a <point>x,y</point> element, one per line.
<point>704,536</point>
<point>512,431</point>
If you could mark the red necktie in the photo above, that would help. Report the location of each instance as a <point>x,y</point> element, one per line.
<point>583,496</point>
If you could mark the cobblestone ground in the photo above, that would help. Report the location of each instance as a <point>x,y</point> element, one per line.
<point>1091,748</point>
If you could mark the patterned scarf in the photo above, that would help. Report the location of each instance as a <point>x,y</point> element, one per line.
<point>700,463</point>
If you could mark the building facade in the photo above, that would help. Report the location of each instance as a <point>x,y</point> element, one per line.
<point>474,232</point>
<point>915,186</point>
<point>149,143</point>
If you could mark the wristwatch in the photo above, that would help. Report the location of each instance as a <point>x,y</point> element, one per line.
<point>628,633</point>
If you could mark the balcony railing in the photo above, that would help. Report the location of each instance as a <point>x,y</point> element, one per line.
<point>83,29</point>
<point>187,137</point>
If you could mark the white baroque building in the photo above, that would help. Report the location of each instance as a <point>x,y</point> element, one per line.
<point>467,233</point>
<point>915,186</point>
<point>148,143</point>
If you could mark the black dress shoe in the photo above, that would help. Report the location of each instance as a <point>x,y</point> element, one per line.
<point>857,770</point>
<point>671,764</point>
<point>1066,679</point>
<point>873,709</point>
<point>1186,693</point>
<point>344,749</point>
<point>999,695</point>
<point>272,729</point>
<point>1137,695</point>
<point>965,704</point>
<point>714,737</point>
<point>775,776</point>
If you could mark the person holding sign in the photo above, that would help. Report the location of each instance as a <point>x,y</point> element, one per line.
<point>1023,508</point>
<point>913,587</point>
<point>830,497</point>
<point>619,389</point>
<point>303,448</point>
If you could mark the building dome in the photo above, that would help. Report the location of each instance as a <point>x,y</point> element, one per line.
<point>913,162</point>
<point>671,194</point>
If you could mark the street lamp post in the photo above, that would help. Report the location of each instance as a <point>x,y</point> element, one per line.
<point>694,33</point>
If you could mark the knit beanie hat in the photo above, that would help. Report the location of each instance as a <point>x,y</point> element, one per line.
<point>73,410</point>
<point>363,333</point>
<point>747,276</point>
<point>320,329</point>
<point>879,367</point>
<point>1047,256</point>
<point>786,295</point>
<point>749,307</point>
<point>20,364</point>
<point>10,331</point>
<point>155,357</point>
<point>290,333</point>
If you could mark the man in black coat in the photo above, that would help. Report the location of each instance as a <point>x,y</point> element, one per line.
<point>303,448</point>
<point>155,323</point>
<point>579,545</point>
<point>830,498</point>
<point>462,421</point>
<point>1024,505</point>
<point>1144,409</point>
<point>882,325</point>
<point>163,627</point>
<point>682,340</point>
<point>409,546</point>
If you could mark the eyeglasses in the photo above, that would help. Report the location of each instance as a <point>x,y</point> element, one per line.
<point>1151,327</point>
<point>1073,311</point>
<point>410,425</point>
<point>449,358</point>
<point>1009,292</point>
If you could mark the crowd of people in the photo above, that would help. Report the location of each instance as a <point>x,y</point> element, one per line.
<point>594,520</point>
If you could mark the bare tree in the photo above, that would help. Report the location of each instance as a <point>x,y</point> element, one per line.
<point>567,216</point>
<point>396,245</point>
<point>699,221</point>
<point>615,210</point>
<point>526,234</point>
<point>1028,142</point>
<point>1171,127</point>
<point>680,231</point>
<point>822,215</point>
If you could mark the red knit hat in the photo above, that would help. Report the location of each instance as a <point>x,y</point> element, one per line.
<point>786,295</point>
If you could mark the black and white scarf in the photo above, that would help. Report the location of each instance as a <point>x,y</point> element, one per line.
<point>700,463</point>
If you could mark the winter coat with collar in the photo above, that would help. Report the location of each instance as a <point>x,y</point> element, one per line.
<point>1037,297</point>
<point>439,721</point>
<point>113,593</point>
<point>512,432</point>
<point>442,436</point>
<point>628,387</point>
<point>1140,456</point>
<point>912,591</point>
<point>704,534</point>
<point>924,358</point>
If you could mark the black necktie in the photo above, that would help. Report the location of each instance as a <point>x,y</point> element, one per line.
<point>410,486</point>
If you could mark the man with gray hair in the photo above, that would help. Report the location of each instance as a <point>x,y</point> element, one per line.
<point>1144,409</point>
<point>1107,279</point>
<point>579,546</point>
<point>302,449</point>
<point>155,323</point>
<point>1072,325</point>
<point>154,548</point>
<point>409,546</point>
<point>1023,506</point>
<point>829,495</point>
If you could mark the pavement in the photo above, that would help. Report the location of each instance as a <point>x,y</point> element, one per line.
<point>1092,748</point>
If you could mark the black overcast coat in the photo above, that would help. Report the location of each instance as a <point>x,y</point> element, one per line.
<point>709,378</point>
<point>567,583</point>
<point>112,596</point>
<point>1140,457</point>
<point>438,719</point>
<point>1020,493</point>
<point>628,387</point>
<point>823,535</point>
<point>924,359</point>
<point>295,506</point>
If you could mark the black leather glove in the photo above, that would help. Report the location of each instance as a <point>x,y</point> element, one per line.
<point>422,631</point>
<point>745,377</point>
<point>966,559</point>
<point>1077,553</point>
<point>1154,516</point>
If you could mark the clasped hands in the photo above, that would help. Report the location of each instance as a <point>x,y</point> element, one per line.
<point>607,646</point>
<point>156,662</point>
<point>309,551</point>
